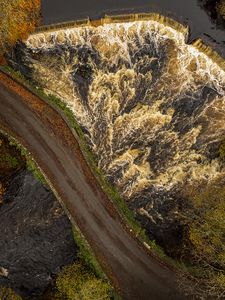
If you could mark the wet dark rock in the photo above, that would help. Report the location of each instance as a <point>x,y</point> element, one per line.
<point>140,56</point>
<point>19,59</point>
<point>83,70</point>
<point>161,218</point>
<point>162,151</point>
<point>36,237</point>
<point>188,109</point>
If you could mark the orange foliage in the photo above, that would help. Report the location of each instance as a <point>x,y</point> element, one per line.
<point>20,17</point>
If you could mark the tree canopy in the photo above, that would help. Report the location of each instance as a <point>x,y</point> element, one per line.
<point>18,18</point>
<point>206,233</point>
<point>221,8</point>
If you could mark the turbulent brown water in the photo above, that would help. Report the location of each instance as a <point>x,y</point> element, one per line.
<point>152,108</point>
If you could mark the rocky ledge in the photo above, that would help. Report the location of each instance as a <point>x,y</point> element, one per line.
<point>36,237</point>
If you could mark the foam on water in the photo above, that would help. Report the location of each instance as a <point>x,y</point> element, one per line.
<point>152,107</point>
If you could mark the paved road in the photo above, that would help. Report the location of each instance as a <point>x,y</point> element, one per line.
<point>46,135</point>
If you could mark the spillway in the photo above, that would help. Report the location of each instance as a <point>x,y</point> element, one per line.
<point>151,106</point>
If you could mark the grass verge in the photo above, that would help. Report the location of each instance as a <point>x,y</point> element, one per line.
<point>85,253</point>
<point>87,256</point>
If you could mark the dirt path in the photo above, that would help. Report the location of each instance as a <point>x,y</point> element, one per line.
<point>42,130</point>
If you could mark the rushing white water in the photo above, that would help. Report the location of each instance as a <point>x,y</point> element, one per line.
<point>152,107</point>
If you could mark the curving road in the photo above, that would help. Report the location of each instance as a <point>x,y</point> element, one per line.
<point>42,130</point>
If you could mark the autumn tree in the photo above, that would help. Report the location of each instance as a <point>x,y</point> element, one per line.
<point>208,226</point>
<point>206,234</point>
<point>18,18</point>
<point>221,8</point>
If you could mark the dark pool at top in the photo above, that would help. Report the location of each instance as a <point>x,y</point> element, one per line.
<point>188,11</point>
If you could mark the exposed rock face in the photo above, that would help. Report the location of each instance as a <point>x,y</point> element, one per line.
<point>36,237</point>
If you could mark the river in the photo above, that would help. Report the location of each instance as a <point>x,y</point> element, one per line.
<point>189,12</point>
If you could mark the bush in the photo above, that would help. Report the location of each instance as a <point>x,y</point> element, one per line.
<point>8,294</point>
<point>78,282</point>
<point>221,8</point>
<point>205,220</point>
<point>10,160</point>
<point>208,227</point>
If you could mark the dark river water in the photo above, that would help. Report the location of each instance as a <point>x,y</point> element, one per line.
<point>188,11</point>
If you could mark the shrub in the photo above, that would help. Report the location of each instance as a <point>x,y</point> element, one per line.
<point>208,225</point>
<point>221,8</point>
<point>205,221</point>
<point>10,160</point>
<point>78,282</point>
<point>8,294</point>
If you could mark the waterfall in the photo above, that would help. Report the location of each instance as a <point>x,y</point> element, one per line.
<point>152,107</point>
